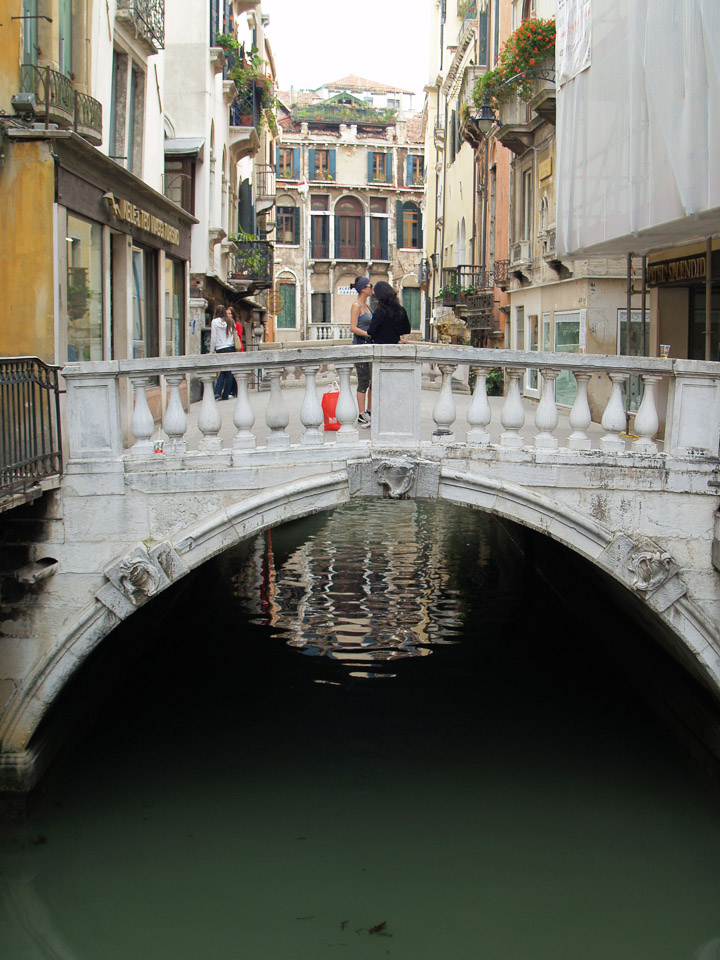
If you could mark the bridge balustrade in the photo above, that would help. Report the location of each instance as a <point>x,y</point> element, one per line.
<point>691,412</point>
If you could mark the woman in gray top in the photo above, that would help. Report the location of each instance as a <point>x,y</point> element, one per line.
<point>360,317</point>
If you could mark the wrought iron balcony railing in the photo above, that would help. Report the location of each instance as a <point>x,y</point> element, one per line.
<point>264,176</point>
<point>464,281</point>
<point>253,261</point>
<point>30,447</point>
<point>148,19</point>
<point>501,272</point>
<point>59,103</point>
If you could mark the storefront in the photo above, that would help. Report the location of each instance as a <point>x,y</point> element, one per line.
<point>678,286</point>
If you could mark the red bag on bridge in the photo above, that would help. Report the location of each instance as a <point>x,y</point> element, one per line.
<point>329,405</point>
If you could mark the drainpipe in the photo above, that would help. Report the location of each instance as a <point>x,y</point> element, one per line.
<point>629,308</point>
<point>643,300</point>
<point>708,297</point>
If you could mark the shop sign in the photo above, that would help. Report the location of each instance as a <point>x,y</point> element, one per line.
<point>124,210</point>
<point>675,271</point>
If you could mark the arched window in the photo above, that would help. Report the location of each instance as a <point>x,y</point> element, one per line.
<point>408,226</point>
<point>349,232</point>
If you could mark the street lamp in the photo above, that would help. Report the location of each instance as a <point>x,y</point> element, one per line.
<point>486,119</point>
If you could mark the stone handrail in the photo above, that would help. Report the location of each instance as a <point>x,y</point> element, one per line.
<point>692,414</point>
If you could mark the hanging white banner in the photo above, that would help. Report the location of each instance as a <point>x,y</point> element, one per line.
<point>573,40</point>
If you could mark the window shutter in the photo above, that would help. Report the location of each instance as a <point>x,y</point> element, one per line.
<point>332,164</point>
<point>420,233</point>
<point>384,238</point>
<point>453,136</point>
<point>277,160</point>
<point>296,163</point>
<point>371,157</point>
<point>311,163</point>
<point>399,224</point>
<point>388,168</point>
<point>363,252</point>
<point>409,174</point>
<point>337,237</point>
<point>297,225</point>
<point>213,21</point>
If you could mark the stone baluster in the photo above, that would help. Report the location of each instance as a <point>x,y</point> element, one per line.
<point>243,414</point>
<point>209,420</point>
<point>479,413</point>
<point>142,424</point>
<point>614,419</point>
<point>311,413</point>
<point>546,415</point>
<point>513,412</point>
<point>444,412</point>
<point>580,416</point>
<point>277,415</point>
<point>646,419</point>
<point>175,422</point>
<point>346,410</point>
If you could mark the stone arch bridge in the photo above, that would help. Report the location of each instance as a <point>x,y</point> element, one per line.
<point>138,507</point>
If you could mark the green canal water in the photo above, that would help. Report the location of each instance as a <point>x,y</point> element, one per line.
<point>373,733</point>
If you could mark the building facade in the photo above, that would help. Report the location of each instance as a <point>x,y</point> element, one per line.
<point>350,179</point>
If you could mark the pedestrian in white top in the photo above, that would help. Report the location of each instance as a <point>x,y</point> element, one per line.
<point>222,340</point>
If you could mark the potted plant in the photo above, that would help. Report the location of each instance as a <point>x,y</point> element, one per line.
<point>249,75</point>
<point>528,48</point>
<point>227,41</point>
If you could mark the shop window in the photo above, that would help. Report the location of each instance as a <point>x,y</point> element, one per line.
<point>287,228</point>
<point>696,333</point>
<point>320,307</point>
<point>285,319</point>
<point>144,334</point>
<point>85,340</point>
<point>174,307</point>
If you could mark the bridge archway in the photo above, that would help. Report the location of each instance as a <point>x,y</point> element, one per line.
<point>145,572</point>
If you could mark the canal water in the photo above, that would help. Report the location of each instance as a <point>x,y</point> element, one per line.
<point>377,732</point>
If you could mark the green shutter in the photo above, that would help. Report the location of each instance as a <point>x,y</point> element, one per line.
<point>370,157</point>
<point>388,168</point>
<point>286,316</point>
<point>409,171</point>
<point>311,163</point>
<point>296,163</point>
<point>332,164</point>
<point>399,224</point>
<point>297,225</point>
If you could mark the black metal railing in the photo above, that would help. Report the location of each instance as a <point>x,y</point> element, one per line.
<point>253,261</point>
<point>30,441</point>
<point>264,175</point>
<point>245,110</point>
<point>461,282</point>
<point>148,17</point>
<point>501,271</point>
<point>88,118</point>
<point>53,92</point>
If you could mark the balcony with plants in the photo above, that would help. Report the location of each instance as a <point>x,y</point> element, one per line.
<point>521,87</point>
<point>250,262</point>
<point>465,286</point>
<point>254,101</point>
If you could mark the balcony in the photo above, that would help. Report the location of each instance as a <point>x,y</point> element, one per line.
<point>462,285</point>
<point>501,276</point>
<point>329,331</point>
<point>58,103</point>
<point>264,184</point>
<point>244,121</point>
<point>251,268</point>
<point>147,19</point>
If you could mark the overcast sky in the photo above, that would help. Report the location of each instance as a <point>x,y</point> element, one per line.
<point>318,41</point>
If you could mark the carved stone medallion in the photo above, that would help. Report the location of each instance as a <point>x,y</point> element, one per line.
<point>651,567</point>
<point>398,475</point>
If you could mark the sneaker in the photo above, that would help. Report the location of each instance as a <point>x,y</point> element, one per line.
<point>368,414</point>
<point>363,421</point>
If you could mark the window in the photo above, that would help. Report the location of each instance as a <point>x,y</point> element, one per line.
<point>393,104</point>
<point>321,164</point>
<point>379,229</point>
<point>319,227</point>
<point>349,238</point>
<point>84,299</point>
<point>180,182</point>
<point>144,304</point>
<point>696,333</point>
<point>320,307</point>
<point>379,167</point>
<point>533,343</point>
<point>415,177</point>
<point>569,338</point>
<point>127,117</point>
<point>174,307</point>
<point>285,319</point>
<point>287,228</point>
<point>411,302</point>
<point>288,163</point>
<point>409,229</point>
<point>527,206</point>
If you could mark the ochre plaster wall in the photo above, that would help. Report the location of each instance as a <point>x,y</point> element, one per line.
<point>27,184</point>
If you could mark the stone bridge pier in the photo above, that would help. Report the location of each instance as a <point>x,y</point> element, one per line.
<point>127,522</point>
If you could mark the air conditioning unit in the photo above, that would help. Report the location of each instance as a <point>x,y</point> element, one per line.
<point>520,252</point>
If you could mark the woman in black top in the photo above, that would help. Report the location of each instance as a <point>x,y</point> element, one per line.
<point>390,320</point>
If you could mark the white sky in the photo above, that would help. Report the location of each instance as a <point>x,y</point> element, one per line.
<point>318,41</point>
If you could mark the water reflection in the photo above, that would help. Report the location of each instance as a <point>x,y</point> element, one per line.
<point>367,588</point>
